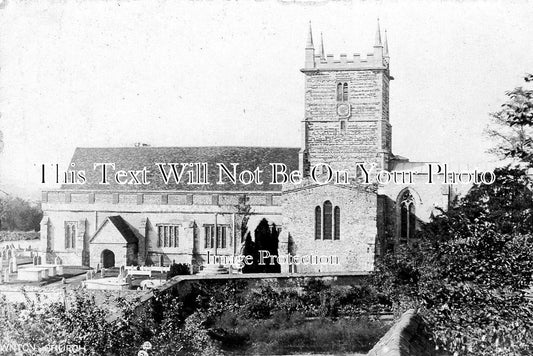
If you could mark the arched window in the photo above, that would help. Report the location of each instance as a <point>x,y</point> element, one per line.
<point>318,223</point>
<point>345,92</point>
<point>70,234</point>
<point>67,236</point>
<point>339,92</point>
<point>407,216</point>
<point>412,220</point>
<point>342,92</point>
<point>327,220</point>
<point>337,223</point>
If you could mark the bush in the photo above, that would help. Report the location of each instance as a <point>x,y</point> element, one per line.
<point>178,269</point>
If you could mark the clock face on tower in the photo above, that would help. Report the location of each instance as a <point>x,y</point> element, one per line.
<point>343,110</point>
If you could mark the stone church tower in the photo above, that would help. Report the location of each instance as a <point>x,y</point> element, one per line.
<point>346,108</point>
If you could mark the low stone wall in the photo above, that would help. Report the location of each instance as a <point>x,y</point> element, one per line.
<point>181,285</point>
<point>407,337</point>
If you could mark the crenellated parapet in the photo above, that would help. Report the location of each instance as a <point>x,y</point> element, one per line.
<point>318,60</point>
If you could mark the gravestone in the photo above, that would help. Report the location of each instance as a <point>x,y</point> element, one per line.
<point>35,260</point>
<point>39,260</point>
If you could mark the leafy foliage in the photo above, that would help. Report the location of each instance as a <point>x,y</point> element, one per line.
<point>512,126</point>
<point>178,269</point>
<point>471,270</point>
<point>19,214</point>
<point>266,239</point>
<point>213,317</point>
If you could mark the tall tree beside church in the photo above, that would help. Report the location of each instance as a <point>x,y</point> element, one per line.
<point>470,272</point>
<point>250,249</point>
<point>512,126</point>
<point>266,239</point>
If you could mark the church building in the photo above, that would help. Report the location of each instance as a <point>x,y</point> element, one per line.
<point>345,126</point>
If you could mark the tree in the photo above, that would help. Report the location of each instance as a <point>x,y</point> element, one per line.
<point>512,126</point>
<point>19,214</point>
<point>266,239</point>
<point>471,270</point>
<point>178,269</point>
<point>469,273</point>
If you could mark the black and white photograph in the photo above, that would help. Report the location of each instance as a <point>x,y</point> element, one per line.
<point>302,177</point>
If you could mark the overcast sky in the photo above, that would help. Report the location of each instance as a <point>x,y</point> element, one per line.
<point>179,73</point>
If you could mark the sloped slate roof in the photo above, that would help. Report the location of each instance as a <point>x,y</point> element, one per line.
<point>136,158</point>
<point>124,228</point>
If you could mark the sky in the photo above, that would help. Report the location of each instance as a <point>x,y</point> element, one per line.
<point>94,73</point>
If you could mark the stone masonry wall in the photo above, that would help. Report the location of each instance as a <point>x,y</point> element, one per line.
<point>358,226</point>
<point>145,215</point>
<point>407,337</point>
<point>366,133</point>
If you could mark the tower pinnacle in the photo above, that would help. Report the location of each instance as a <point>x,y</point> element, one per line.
<point>310,38</point>
<point>322,54</point>
<point>386,45</point>
<point>310,50</point>
<point>378,37</point>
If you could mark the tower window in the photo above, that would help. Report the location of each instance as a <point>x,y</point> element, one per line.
<point>345,92</point>
<point>342,92</point>
<point>339,92</point>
